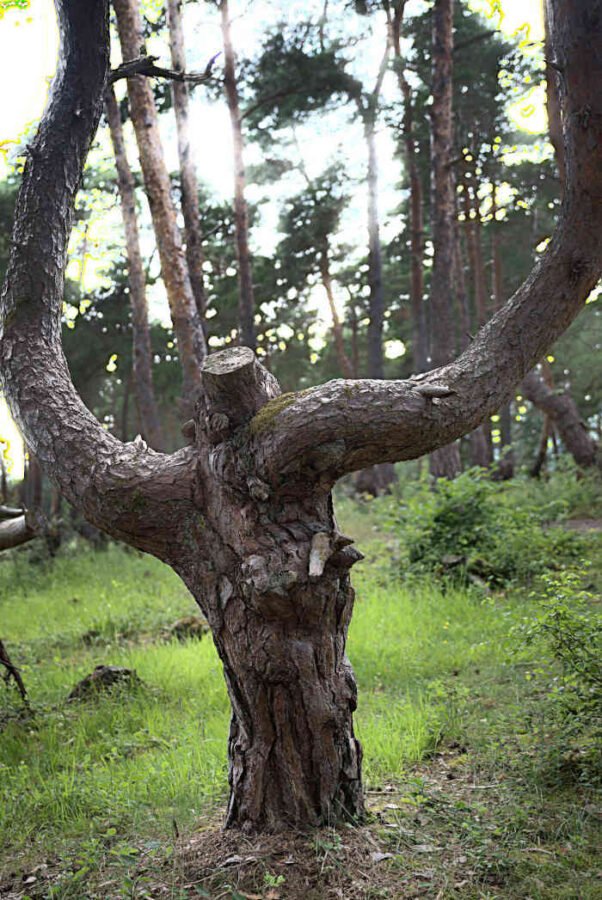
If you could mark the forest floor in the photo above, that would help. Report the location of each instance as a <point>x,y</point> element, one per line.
<point>472,791</point>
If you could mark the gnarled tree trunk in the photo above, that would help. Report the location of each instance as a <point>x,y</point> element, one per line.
<point>184,314</point>
<point>244,513</point>
<point>142,367</point>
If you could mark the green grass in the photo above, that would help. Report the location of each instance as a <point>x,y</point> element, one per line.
<point>93,783</point>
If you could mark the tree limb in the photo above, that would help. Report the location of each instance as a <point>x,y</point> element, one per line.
<point>121,488</point>
<point>145,65</point>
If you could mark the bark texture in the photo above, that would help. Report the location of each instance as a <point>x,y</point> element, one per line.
<point>184,313</point>
<point>244,513</point>
<point>144,391</point>
<point>445,461</point>
<point>188,177</point>
<point>246,304</point>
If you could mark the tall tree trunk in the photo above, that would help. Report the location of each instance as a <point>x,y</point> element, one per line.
<point>184,314</point>
<point>444,462</point>
<point>553,98</point>
<point>542,449</point>
<point>142,365</point>
<point>376,368</point>
<point>337,330</point>
<point>505,464</point>
<point>419,328</point>
<point>33,484</point>
<point>188,176</point>
<point>246,301</point>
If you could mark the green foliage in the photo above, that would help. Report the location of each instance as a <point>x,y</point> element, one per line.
<point>567,627</point>
<point>294,76</point>
<point>474,528</point>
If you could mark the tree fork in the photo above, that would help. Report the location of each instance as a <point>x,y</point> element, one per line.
<point>278,598</point>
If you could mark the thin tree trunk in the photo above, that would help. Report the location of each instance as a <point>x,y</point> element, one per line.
<point>355,347</point>
<point>444,462</point>
<point>184,314</point>
<point>188,176</point>
<point>419,329</point>
<point>246,304</point>
<point>125,408</point>
<point>542,450</point>
<point>554,108</point>
<point>376,368</point>
<point>144,391</point>
<point>505,465</point>
<point>337,330</point>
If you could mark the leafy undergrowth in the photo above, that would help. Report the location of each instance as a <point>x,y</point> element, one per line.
<point>472,789</point>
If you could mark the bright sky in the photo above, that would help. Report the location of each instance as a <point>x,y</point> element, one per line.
<point>28,49</point>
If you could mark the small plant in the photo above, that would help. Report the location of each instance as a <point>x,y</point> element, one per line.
<point>568,626</point>
<point>273,880</point>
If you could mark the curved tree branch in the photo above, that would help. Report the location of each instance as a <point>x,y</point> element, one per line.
<point>145,65</point>
<point>377,421</point>
<point>92,468</point>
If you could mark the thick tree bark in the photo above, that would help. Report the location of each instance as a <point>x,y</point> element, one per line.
<point>144,391</point>
<point>246,301</point>
<point>278,598</point>
<point>244,513</point>
<point>188,177</point>
<point>445,461</point>
<point>184,314</point>
<point>562,410</point>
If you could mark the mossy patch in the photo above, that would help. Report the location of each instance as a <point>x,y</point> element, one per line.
<point>262,420</point>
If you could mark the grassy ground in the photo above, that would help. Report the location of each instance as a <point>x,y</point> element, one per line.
<point>119,797</point>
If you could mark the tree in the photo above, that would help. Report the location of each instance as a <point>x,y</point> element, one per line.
<point>184,313</point>
<point>241,213</point>
<point>445,461</point>
<point>309,222</point>
<point>188,176</point>
<point>142,352</point>
<point>244,514</point>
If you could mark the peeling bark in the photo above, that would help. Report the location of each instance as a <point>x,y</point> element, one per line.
<point>184,314</point>
<point>144,391</point>
<point>244,513</point>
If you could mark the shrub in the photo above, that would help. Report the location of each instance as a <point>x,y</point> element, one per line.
<point>473,529</point>
<point>567,627</point>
